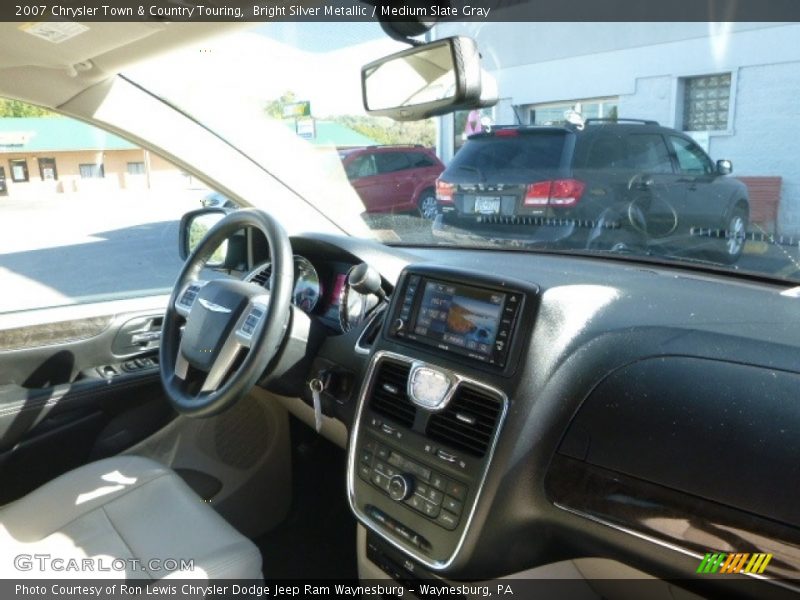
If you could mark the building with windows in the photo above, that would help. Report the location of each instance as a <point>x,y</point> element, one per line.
<point>720,83</point>
<point>40,155</point>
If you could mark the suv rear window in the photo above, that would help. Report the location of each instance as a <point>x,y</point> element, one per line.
<point>524,156</point>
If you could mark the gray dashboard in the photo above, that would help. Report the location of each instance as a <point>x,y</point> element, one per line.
<point>615,345</point>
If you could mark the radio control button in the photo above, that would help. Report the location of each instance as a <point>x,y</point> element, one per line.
<point>439,482</point>
<point>446,456</point>
<point>364,471</point>
<point>381,481</point>
<point>430,509</point>
<point>385,470</point>
<point>457,490</point>
<point>447,520</point>
<point>434,496</point>
<point>415,502</point>
<point>400,487</point>
<point>453,505</point>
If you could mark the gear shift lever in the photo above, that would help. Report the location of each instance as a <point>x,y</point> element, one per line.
<point>365,279</point>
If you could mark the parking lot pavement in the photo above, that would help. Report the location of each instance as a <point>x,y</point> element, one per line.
<point>59,250</point>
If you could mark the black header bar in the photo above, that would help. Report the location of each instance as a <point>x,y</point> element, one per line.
<point>265,11</point>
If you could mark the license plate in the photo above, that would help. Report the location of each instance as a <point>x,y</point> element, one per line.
<point>487,205</point>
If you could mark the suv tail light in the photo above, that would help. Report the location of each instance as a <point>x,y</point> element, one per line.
<point>555,192</point>
<point>444,191</point>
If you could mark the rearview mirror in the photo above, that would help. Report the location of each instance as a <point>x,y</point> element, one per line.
<point>724,167</point>
<point>427,80</point>
<point>194,226</point>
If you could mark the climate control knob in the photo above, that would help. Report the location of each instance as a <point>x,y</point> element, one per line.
<point>401,487</point>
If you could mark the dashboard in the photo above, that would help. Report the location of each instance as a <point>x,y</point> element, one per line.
<point>321,290</point>
<point>569,407</point>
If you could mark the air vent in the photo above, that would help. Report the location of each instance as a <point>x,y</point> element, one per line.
<point>389,397</point>
<point>468,422</point>
<point>262,276</point>
<point>367,338</point>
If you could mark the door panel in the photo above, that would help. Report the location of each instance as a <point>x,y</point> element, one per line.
<point>396,179</point>
<point>364,177</point>
<point>701,207</point>
<point>76,386</point>
<point>655,186</point>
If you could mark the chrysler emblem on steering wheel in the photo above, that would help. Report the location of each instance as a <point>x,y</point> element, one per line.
<point>214,307</point>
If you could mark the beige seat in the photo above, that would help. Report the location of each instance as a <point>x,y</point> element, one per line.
<point>128,508</point>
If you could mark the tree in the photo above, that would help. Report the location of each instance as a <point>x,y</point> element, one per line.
<point>18,108</point>
<point>274,108</point>
<point>380,129</point>
<point>386,131</point>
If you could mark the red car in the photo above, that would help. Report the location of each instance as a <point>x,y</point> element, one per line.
<point>394,178</point>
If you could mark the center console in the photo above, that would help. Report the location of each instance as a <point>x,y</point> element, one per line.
<point>428,420</point>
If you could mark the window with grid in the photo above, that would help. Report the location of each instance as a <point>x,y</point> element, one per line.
<point>554,113</point>
<point>706,101</point>
<point>136,168</point>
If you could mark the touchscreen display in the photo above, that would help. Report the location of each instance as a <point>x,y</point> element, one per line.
<point>460,316</point>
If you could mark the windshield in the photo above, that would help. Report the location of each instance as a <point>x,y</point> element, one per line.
<point>667,142</point>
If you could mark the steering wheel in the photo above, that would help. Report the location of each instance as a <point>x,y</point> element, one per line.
<point>233,329</point>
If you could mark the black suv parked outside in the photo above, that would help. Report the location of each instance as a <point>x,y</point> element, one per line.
<point>624,185</point>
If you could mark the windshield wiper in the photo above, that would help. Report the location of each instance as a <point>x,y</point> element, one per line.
<point>480,174</point>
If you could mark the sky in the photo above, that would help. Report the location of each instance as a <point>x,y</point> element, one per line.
<point>320,62</point>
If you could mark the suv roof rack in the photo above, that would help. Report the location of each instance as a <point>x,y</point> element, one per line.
<point>640,121</point>
<point>395,146</point>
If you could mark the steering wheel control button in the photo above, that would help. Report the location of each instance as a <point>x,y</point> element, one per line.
<point>364,472</point>
<point>251,322</point>
<point>401,487</point>
<point>190,295</point>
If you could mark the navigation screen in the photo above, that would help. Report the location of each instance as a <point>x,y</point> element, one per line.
<point>460,316</point>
